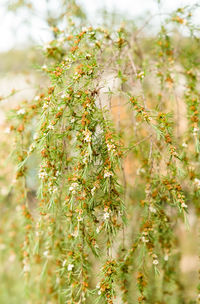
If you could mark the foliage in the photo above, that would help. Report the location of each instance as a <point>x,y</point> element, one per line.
<point>113,185</point>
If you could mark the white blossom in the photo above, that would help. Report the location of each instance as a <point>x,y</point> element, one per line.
<point>144,239</point>
<point>21,112</point>
<point>93,190</point>
<point>7,130</point>
<point>107,173</point>
<point>37,98</point>
<point>88,56</point>
<point>70,267</point>
<point>83,297</point>
<point>195,130</point>
<point>140,170</point>
<point>35,136</point>
<point>106,215</point>
<point>73,187</point>
<point>87,135</point>
<point>140,74</point>
<point>50,127</point>
<point>152,209</point>
<point>166,257</point>
<point>197,182</point>
<point>75,234</point>
<point>155,262</point>
<point>97,230</point>
<point>57,173</point>
<point>55,189</point>
<point>84,29</point>
<point>31,148</point>
<point>147,191</point>
<point>64,263</point>
<point>46,253</point>
<point>76,76</point>
<point>27,268</point>
<point>63,96</point>
<point>184,145</point>
<point>42,174</point>
<point>85,159</point>
<point>110,147</point>
<point>80,219</point>
<point>183,205</point>
<point>45,106</point>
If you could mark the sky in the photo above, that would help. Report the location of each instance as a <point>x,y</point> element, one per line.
<point>13,34</point>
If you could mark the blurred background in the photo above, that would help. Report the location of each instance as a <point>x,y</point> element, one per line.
<point>25,28</point>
